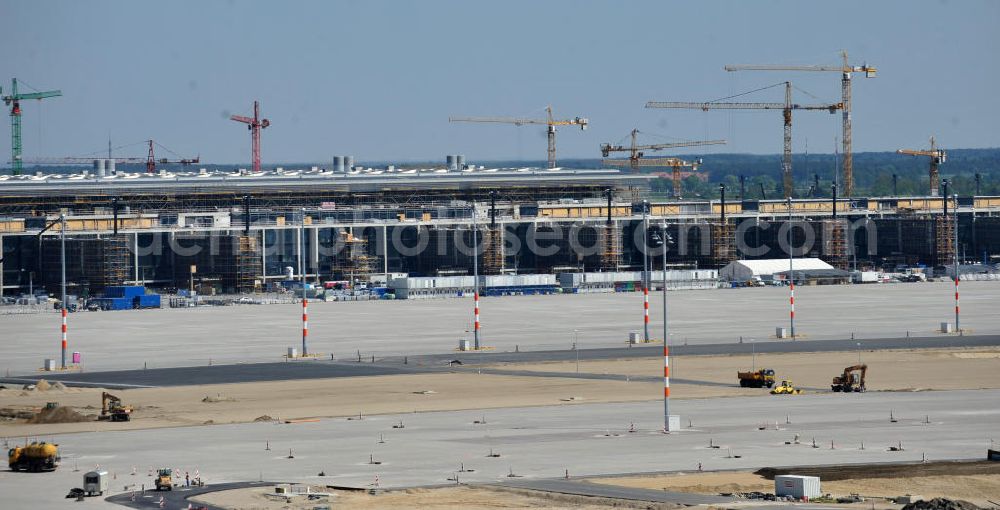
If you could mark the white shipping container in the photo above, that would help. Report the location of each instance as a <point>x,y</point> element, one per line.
<point>797,486</point>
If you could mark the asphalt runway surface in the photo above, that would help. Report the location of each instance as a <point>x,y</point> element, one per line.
<point>172,337</point>
<point>533,443</point>
<point>319,368</point>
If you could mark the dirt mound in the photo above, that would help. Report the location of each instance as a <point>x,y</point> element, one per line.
<point>42,385</point>
<point>941,504</point>
<point>57,386</point>
<point>58,415</point>
<point>263,417</point>
<point>218,398</point>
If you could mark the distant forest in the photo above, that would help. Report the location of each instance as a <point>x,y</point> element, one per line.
<point>873,172</point>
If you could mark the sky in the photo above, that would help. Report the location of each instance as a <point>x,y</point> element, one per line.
<point>378,79</point>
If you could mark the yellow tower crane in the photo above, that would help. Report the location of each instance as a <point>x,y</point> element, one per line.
<point>635,157</point>
<point>937,156</point>
<point>785,107</point>
<point>548,121</point>
<point>675,164</point>
<point>845,89</point>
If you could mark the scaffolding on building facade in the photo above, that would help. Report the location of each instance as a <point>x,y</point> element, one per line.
<point>353,262</point>
<point>835,243</point>
<point>493,250</point>
<point>723,240</point>
<point>944,240</point>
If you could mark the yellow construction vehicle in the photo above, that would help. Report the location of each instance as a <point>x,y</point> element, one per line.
<point>112,408</point>
<point>853,379</point>
<point>34,457</point>
<point>786,388</point>
<point>164,479</point>
<point>757,379</point>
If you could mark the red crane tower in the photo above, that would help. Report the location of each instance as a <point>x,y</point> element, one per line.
<point>254,124</point>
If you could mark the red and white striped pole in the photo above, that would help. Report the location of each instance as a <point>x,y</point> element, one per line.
<point>476,315</point>
<point>791,302</point>
<point>305,322</point>
<point>957,325</point>
<point>645,310</point>
<point>666,387</point>
<point>64,343</point>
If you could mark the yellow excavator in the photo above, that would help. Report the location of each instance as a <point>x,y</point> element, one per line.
<point>112,408</point>
<point>786,388</point>
<point>853,379</point>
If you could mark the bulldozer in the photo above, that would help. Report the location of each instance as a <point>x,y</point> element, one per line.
<point>112,408</point>
<point>853,379</point>
<point>786,388</point>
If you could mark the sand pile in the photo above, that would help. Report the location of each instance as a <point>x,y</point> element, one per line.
<point>218,398</point>
<point>58,415</point>
<point>42,385</point>
<point>263,418</point>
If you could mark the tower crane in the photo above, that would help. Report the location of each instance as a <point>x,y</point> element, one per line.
<point>675,164</point>
<point>786,109</point>
<point>845,89</point>
<point>548,121</point>
<point>635,151</point>
<point>937,156</point>
<point>254,124</point>
<point>149,160</point>
<point>14,101</point>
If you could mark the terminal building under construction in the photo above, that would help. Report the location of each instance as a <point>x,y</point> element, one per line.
<point>240,232</point>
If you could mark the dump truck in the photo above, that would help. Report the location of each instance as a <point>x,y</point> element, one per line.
<point>112,408</point>
<point>758,379</point>
<point>786,388</point>
<point>853,379</point>
<point>164,480</point>
<point>37,456</point>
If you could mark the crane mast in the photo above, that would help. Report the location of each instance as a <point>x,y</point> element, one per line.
<point>845,71</point>
<point>675,164</point>
<point>936,155</point>
<point>14,101</point>
<point>549,122</point>
<point>786,108</point>
<point>635,150</point>
<point>254,124</point>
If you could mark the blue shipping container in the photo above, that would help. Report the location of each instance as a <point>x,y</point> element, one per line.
<point>114,303</point>
<point>124,291</point>
<point>148,301</point>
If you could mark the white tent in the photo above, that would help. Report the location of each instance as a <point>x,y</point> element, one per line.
<point>742,270</point>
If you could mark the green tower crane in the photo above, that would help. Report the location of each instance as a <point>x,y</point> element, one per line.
<point>14,101</point>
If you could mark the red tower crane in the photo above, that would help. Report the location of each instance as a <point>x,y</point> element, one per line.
<point>254,124</point>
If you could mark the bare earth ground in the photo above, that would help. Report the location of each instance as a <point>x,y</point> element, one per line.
<point>975,488</point>
<point>895,370</point>
<point>469,498</point>
<point>232,403</point>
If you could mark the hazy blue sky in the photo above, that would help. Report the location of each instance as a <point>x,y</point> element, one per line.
<point>379,79</point>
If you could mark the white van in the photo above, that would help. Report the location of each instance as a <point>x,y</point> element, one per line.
<point>95,483</point>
